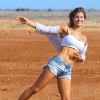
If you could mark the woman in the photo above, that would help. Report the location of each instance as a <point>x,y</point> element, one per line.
<point>71,45</point>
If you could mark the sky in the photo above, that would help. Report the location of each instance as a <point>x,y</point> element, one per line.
<point>46,4</point>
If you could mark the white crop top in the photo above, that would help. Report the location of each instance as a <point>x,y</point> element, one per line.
<point>69,40</point>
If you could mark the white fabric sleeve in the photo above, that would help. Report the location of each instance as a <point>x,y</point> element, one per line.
<point>51,32</point>
<point>47,29</point>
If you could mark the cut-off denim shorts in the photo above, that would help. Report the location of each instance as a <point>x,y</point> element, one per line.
<point>59,68</point>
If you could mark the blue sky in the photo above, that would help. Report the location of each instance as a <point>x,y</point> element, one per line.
<point>45,4</point>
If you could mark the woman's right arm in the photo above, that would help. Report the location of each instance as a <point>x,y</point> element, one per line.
<point>24,20</point>
<point>58,29</point>
<point>38,26</point>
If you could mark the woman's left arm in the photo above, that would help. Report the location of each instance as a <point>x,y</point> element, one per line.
<point>83,53</point>
<point>81,57</point>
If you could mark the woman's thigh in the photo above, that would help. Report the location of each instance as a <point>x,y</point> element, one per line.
<point>44,78</point>
<point>64,87</point>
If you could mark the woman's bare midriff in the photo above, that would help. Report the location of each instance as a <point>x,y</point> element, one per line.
<point>66,54</point>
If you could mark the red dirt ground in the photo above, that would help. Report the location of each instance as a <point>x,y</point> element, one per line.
<point>24,52</point>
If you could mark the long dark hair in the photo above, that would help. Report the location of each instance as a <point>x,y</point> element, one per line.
<point>72,14</point>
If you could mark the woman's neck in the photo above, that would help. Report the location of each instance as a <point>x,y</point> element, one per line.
<point>76,28</point>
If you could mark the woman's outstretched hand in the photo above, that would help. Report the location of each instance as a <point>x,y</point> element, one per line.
<point>22,19</point>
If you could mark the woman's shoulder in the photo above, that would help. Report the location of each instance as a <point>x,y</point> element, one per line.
<point>64,28</point>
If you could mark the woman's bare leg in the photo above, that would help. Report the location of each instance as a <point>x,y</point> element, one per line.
<point>64,86</point>
<point>41,82</point>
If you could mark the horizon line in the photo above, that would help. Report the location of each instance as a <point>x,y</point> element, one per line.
<point>43,9</point>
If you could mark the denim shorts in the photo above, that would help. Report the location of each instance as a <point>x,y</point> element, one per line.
<point>59,68</point>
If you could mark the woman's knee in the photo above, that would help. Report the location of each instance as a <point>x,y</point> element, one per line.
<point>36,89</point>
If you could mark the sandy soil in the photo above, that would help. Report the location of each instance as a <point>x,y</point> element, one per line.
<point>22,55</point>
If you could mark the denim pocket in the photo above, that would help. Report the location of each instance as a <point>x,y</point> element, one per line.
<point>67,69</point>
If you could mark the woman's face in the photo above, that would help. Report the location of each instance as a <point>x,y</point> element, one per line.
<point>78,19</point>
